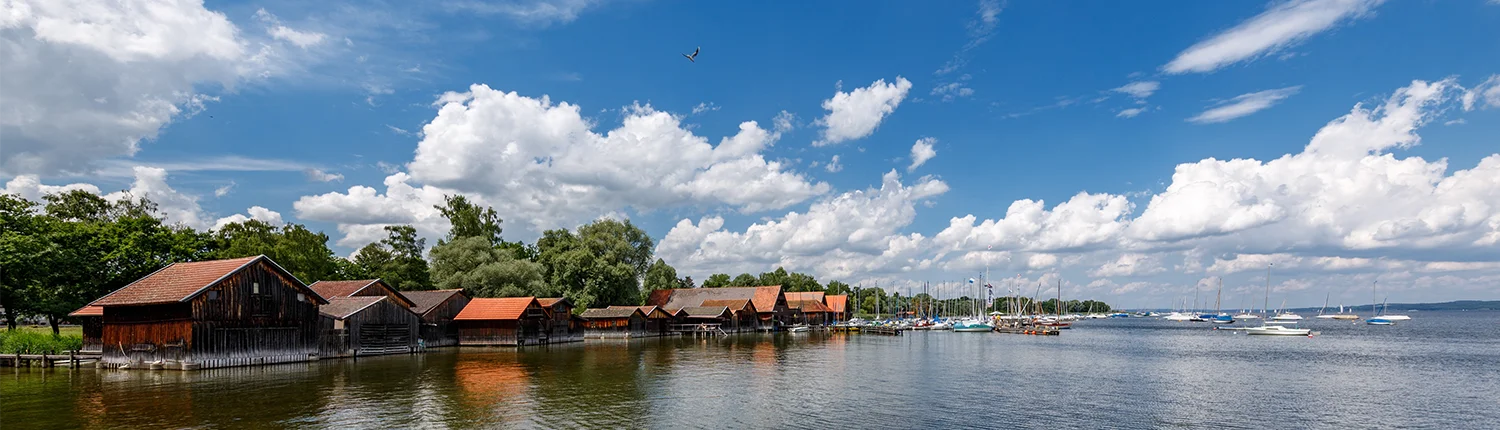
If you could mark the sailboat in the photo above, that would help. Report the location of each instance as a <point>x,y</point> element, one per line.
<point>1376,318</point>
<point>1276,330</point>
<point>1221,317</point>
<point>1321,315</point>
<point>1384,307</point>
<point>1344,315</point>
<point>1285,317</point>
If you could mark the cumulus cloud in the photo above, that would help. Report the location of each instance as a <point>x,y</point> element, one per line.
<point>88,80</point>
<point>833,165</point>
<point>1086,221</point>
<point>1283,25</point>
<point>254,213</point>
<point>362,213</point>
<point>854,232</point>
<point>921,152</point>
<point>150,182</point>
<point>856,114</point>
<point>1244,105</point>
<point>541,165</point>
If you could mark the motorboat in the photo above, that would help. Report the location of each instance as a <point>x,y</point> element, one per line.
<point>1380,321</point>
<point>1276,330</point>
<point>1246,316</point>
<point>1178,316</point>
<point>799,329</point>
<point>1287,316</point>
<point>1223,319</point>
<point>1119,315</point>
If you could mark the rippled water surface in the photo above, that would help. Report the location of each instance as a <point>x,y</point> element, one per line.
<point>1440,370</point>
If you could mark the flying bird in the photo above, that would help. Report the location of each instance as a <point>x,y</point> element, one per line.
<point>693,55</point>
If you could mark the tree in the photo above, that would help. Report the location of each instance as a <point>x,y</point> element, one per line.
<point>293,246</point>
<point>686,282</point>
<point>717,280</point>
<point>477,266</point>
<point>21,251</point>
<point>602,265</point>
<point>836,288</point>
<point>745,280</point>
<point>661,276</point>
<point>801,282</point>
<point>372,261</point>
<point>403,266</point>
<point>469,220</point>
<point>778,277</point>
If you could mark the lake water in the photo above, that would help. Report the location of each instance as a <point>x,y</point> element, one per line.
<point>1440,370</point>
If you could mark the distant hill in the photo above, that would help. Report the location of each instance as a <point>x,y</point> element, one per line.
<point>1461,305</point>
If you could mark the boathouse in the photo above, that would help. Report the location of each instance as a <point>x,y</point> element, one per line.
<point>90,318</point>
<point>360,288</point>
<point>658,321</point>
<point>367,325</point>
<point>770,303</point>
<point>809,307</point>
<point>508,321</point>
<point>614,322</point>
<point>565,327</point>
<point>839,306</point>
<point>743,315</point>
<point>437,308</point>
<point>207,314</point>
<point>704,318</point>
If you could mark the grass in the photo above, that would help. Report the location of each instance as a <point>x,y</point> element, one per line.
<point>39,340</point>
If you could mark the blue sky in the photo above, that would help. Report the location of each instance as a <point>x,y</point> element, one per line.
<point>291,112</point>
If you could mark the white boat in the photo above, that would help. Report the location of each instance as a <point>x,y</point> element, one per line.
<point>1276,330</point>
<point>799,329</point>
<point>1287,316</point>
<point>1246,316</point>
<point>972,326</point>
<point>1178,316</point>
<point>1396,317</point>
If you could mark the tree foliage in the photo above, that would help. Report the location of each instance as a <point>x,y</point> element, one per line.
<point>717,280</point>
<point>476,265</point>
<point>466,219</point>
<point>661,276</point>
<point>397,259</point>
<point>298,250</point>
<point>745,280</point>
<point>599,266</point>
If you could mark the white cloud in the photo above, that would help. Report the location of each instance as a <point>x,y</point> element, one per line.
<point>854,232</point>
<point>321,176</point>
<point>705,107</point>
<point>540,12</point>
<point>224,190</point>
<point>921,152</point>
<point>256,213</point>
<point>1485,95</point>
<point>856,114</point>
<point>833,165</point>
<point>1284,24</point>
<point>30,187</point>
<point>1139,89</point>
<point>1244,104</point>
<point>303,39</point>
<point>1130,113</point>
<point>150,182</point>
<point>1129,264</point>
<point>1084,222</point>
<point>362,213</point>
<point>542,166</point>
<point>951,91</point>
<point>980,30</point>
<point>784,122</point>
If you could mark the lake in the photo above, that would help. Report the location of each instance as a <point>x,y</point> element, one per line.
<point>1439,370</point>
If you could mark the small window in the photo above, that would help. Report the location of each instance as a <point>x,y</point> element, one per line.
<point>213,294</point>
<point>254,288</point>
<point>301,297</point>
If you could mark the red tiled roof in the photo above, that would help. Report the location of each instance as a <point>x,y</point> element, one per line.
<point>658,297</point>
<point>734,305</point>
<point>764,298</point>
<point>807,306</point>
<point>838,303</point>
<point>88,311</point>
<point>645,310</point>
<point>548,302</point>
<point>424,301</point>
<point>506,308</point>
<point>179,282</point>
<point>331,289</point>
<point>808,295</point>
<point>344,307</point>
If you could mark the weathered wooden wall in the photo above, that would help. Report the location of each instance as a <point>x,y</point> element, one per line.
<point>146,333</point>
<point>280,321</point>
<point>383,328</point>
<point>560,325</point>
<point>438,328</point>
<point>634,326</point>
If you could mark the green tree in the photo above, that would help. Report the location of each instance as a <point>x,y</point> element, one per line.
<point>801,282</point>
<point>661,276</point>
<point>777,277</point>
<point>372,261</point>
<point>745,280</point>
<point>22,251</point>
<point>836,288</point>
<point>477,266</point>
<point>298,250</point>
<point>467,219</point>
<point>601,265</point>
<point>717,280</point>
<point>399,260</point>
<point>685,282</point>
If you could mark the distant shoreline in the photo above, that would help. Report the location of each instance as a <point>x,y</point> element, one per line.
<point>1458,305</point>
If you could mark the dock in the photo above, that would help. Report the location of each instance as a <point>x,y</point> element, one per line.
<point>71,359</point>
<point>1034,331</point>
<point>889,331</point>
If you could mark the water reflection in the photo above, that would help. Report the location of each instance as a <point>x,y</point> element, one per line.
<point>1434,372</point>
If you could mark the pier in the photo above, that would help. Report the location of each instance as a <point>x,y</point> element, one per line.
<point>71,359</point>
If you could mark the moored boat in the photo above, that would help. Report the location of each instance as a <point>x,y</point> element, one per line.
<point>1276,330</point>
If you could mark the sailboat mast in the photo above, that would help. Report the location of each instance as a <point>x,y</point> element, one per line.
<point>1219,295</point>
<point>1264,308</point>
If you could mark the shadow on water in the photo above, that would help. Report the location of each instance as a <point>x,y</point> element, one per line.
<point>1435,371</point>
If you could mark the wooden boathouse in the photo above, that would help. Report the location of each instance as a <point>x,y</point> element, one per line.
<point>90,318</point>
<point>769,302</point>
<point>367,325</point>
<point>563,325</point>
<point>743,316</point>
<point>614,322</point>
<point>360,288</point>
<point>437,308</point>
<point>658,321</point>
<point>508,321</point>
<point>809,308</point>
<point>207,314</point>
<point>839,306</point>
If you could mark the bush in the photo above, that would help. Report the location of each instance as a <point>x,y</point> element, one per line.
<point>29,342</point>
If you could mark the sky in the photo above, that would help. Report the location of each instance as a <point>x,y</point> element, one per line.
<point>1138,153</point>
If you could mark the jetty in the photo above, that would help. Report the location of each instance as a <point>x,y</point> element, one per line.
<point>71,359</point>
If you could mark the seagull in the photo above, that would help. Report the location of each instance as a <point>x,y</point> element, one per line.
<point>694,54</point>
